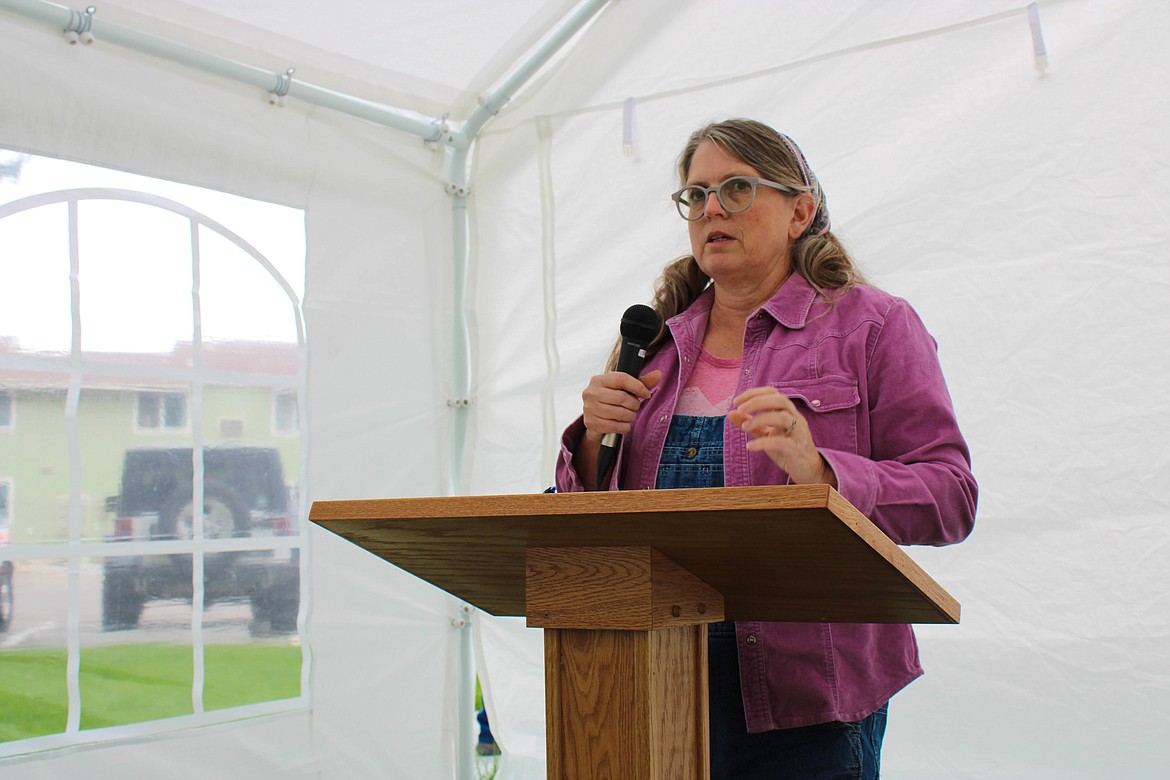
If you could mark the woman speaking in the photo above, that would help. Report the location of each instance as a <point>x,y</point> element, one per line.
<point>776,363</point>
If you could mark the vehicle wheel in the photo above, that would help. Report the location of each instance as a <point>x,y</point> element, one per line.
<point>121,601</point>
<point>5,595</point>
<point>275,607</point>
<point>225,514</point>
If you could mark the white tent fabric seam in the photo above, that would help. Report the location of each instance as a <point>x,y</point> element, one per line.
<point>549,266</point>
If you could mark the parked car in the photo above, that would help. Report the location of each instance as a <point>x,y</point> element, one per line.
<point>5,578</point>
<point>244,495</point>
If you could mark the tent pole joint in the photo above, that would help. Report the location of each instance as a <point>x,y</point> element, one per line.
<point>442,128</point>
<point>283,83</point>
<point>79,28</point>
<point>492,103</point>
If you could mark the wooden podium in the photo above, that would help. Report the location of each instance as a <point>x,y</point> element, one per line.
<point>624,584</point>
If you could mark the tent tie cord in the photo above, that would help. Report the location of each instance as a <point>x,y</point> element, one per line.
<point>628,126</point>
<point>1039,50</point>
<point>78,29</point>
<point>283,84</point>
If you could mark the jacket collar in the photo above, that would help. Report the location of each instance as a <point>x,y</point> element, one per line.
<point>688,326</point>
<point>792,303</point>
<point>791,306</point>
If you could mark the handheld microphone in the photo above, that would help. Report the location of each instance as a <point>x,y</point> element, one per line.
<point>640,324</point>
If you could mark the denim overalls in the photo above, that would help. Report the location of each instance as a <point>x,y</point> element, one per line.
<point>693,458</point>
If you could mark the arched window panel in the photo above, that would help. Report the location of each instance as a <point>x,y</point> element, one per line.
<point>135,280</point>
<point>34,262</point>
<point>117,415</point>
<point>135,636</point>
<point>151,411</point>
<point>243,305</point>
<point>34,457</point>
<point>35,684</point>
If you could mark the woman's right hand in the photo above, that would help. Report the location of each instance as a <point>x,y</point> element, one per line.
<point>611,402</point>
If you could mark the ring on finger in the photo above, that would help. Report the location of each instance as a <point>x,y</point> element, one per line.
<point>792,427</point>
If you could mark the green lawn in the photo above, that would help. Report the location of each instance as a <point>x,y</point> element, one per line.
<point>123,684</point>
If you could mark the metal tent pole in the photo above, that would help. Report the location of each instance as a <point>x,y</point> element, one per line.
<point>64,18</point>
<point>491,104</point>
<point>459,143</point>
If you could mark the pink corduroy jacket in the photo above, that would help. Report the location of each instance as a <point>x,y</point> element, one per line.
<point>865,375</point>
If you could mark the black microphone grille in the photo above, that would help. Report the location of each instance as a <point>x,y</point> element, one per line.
<point>640,323</point>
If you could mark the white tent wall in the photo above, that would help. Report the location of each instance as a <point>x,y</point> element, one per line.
<point>377,306</point>
<point>1024,216</point>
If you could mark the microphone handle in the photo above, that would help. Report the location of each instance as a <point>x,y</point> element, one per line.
<point>606,457</point>
<point>631,358</point>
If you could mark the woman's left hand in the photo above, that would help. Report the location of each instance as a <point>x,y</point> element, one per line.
<point>773,425</point>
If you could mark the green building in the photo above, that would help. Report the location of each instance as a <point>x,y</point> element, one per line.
<point>132,401</point>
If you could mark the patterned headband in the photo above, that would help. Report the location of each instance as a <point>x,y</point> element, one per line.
<point>820,222</point>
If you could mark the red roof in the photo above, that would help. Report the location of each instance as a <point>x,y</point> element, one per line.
<point>243,357</point>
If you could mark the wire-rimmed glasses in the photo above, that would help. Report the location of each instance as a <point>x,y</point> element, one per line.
<point>735,195</point>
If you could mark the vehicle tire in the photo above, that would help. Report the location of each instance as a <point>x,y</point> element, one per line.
<point>225,514</point>
<point>121,601</point>
<point>274,607</point>
<point>5,595</point>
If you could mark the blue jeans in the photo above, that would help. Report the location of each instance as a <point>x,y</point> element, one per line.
<point>693,457</point>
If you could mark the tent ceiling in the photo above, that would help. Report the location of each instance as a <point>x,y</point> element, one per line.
<point>369,50</point>
<point>440,58</point>
<point>696,46</point>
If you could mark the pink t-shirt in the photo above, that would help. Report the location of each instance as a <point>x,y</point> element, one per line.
<point>710,387</point>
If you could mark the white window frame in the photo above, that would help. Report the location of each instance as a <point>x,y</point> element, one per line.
<point>77,550</point>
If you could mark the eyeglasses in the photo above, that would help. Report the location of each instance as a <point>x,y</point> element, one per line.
<point>735,195</point>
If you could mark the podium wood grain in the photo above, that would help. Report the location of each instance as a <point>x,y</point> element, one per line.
<point>625,588</point>
<point>627,705</point>
<point>786,552</point>
<point>625,662</point>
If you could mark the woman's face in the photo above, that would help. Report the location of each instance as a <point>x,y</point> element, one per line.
<point>751,248</point>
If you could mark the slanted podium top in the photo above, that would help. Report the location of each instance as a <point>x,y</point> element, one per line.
<point>781,553</point>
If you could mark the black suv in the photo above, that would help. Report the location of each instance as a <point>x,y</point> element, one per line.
<point>244,495</point>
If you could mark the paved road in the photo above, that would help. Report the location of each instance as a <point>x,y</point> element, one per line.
<point>40,612</point>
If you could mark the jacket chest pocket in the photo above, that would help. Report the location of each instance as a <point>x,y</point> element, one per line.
<point>830,405</point>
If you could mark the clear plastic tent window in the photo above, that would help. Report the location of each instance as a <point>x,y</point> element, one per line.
<point>126,610</point>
